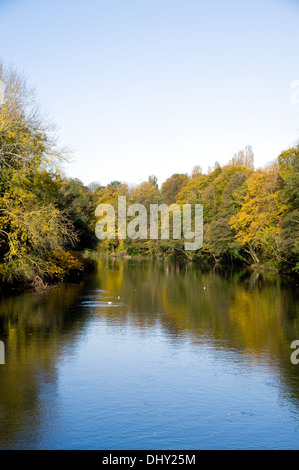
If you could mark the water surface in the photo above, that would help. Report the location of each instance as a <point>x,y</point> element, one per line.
<point>144,355</point>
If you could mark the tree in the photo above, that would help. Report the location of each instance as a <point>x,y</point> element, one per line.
<point>197,171</point>
<point>258,222</point>
<point>227,190</point>
<point>244,158</point>
<point>153,180</point>
<point>289,171</point>
<point>172,187</point>
<point>115,184</point>
<point>33,231</point>
<point>94,186</point>
<point>110,195</point>
<point>76,202</point>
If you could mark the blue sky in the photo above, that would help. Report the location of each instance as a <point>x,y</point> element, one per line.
<point>158,86</point>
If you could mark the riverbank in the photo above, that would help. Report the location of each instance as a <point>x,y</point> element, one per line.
<point>84,264</point>
<point>87,262</point>
<point>203,261</point>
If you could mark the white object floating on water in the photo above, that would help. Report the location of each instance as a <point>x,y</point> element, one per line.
<point>109,303</point>
<point>118,297</point>
<point>204,288</point>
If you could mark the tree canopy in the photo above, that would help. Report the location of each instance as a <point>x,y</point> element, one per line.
<point>251,215</point>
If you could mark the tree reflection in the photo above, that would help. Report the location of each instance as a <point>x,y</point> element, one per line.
<point>253,316</point>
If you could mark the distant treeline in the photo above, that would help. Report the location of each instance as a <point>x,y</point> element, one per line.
<point>250,216</point>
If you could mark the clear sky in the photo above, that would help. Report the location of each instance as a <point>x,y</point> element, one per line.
<point>141,87</point>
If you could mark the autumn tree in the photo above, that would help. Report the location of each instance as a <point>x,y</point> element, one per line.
<point>258,223</point>
<point>244,158</point>
<point>33,231</point>
<point>289,171</point>
<point>196,171</point>
<point>172,186</point>
<point>222,199</point>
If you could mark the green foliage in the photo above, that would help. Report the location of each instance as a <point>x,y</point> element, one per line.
<point>76,201</point>
<point>250,216</point>
<point>289,164</point>
<point>172,187</point>
<point>33,231</point>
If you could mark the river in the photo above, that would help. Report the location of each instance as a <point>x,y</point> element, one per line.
<point>151,355</point>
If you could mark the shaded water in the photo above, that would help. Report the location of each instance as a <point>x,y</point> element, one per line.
<point>145,355</point>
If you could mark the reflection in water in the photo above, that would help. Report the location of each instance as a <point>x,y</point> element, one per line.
<point>34,328</point>
<point>154,326</point>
